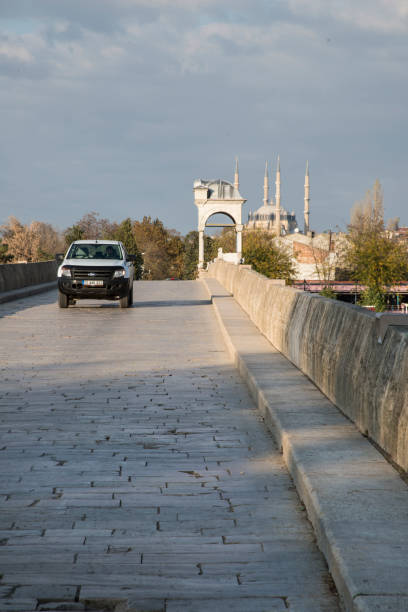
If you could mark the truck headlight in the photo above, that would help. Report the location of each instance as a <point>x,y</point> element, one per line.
<point>119,273</point>
<point>65,271</point>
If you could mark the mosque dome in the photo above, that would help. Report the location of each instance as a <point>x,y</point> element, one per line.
<point>266,210</point>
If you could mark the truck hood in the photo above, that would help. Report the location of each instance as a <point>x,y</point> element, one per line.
<point>107,263</point>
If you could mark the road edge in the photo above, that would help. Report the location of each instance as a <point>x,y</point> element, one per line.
<point>17,294</point>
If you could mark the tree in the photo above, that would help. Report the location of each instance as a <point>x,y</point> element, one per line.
<point>175,253</point>
<point>265,254</point>
<point>190,263</point>
<point>50,241</point>
<point>37,241</point>
<point>190,270</point>
<point>325,259</point>
<point>23,241</point>
<point>124,233</point>
<point>73,233</point>
<point>227,241</point>
<point>5,257</point>
<point>393,224</point>
<point>375,258</point>
<point>162,249</point>
<point>89,227</point>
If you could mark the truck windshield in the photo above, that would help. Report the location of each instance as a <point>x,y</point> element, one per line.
<point>95,251</point>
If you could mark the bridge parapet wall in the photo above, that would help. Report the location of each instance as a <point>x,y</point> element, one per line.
<point>19,275</point>
<point>335,344</point>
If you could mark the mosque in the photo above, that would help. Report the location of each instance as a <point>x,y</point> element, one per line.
<point>271,216</point>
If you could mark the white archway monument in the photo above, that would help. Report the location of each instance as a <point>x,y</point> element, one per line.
<point>218,197</point>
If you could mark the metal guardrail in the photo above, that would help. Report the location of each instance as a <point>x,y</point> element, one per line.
<point>313,286</point>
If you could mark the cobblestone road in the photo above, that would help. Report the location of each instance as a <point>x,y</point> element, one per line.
<point>135,471</point>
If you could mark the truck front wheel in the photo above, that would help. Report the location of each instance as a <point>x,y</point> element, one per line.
<point>63,300</point>
<point>124,301</point>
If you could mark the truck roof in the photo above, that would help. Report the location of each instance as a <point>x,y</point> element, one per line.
<point>94,241</point>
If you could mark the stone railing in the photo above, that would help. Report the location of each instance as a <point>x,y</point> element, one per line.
<point>19,275</point>
<point>336,345</point>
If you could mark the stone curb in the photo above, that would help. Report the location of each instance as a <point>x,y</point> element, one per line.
<point>16,294</point>
<point>355,500</point>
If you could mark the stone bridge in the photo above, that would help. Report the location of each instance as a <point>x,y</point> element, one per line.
<point>169,458</point>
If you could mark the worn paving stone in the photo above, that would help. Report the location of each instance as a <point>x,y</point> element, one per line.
<point>136,469</point>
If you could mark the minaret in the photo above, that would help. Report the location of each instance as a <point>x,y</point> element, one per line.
<point>307,200</point>
<point>236,177</point>
<point>266,186</point>
<point>277,201</point>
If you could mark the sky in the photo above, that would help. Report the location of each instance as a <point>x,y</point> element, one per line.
<point>117,106</point>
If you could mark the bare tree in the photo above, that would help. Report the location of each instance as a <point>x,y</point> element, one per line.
<point>374,258</point>
<point>393,224</point>
<point>325,259</point>
<point>22,240</point>
<point>34,242</point>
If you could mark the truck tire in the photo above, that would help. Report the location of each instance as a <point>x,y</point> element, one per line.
<point>63,300</point>
<point>130,300</point>
<point>124,301</point>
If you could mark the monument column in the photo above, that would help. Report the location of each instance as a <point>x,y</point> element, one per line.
<point>238,229</point>
<point>200,249</point>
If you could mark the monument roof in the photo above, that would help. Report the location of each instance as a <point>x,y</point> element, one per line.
<point>219,189</point>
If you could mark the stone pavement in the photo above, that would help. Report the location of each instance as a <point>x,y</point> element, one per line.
<point>136,472</point>
<point>356,501</point>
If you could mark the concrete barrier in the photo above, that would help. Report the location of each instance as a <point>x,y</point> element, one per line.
<point>336,346</point>
<point>17,276</point>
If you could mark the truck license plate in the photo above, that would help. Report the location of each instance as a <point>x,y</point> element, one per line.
<point>92,283</point>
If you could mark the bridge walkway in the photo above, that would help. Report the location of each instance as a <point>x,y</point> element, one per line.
<point>137,473</point>
<point>355,499</point>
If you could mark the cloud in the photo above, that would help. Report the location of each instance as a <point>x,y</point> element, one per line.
<point>107,104</point>
<point>384,16</point>
<point>11,51</point>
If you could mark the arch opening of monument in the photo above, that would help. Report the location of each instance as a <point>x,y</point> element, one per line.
<point>215,224</point>
<point>219,219</point>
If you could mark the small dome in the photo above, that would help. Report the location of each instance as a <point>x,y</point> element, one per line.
<point>219,189</point>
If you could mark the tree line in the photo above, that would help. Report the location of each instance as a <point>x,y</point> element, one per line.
<point>370,253</point>
<point>160,252</point>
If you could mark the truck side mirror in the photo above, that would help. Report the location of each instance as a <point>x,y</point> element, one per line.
<point>59,257</point>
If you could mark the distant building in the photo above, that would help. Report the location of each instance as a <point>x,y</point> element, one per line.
<point>401,233</point>
<point>315,257</point>
<point>271,216</point>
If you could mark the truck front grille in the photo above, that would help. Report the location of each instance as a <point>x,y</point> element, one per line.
<point>92,272</point>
